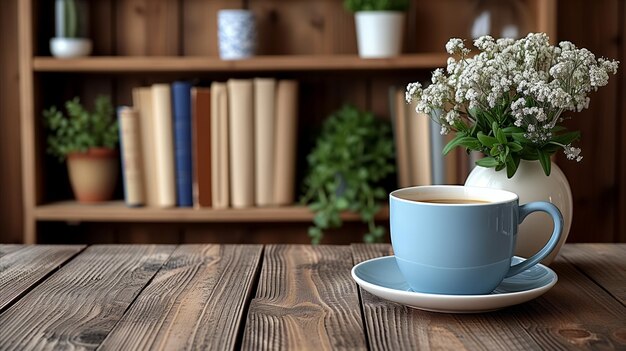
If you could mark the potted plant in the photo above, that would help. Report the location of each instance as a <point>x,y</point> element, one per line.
<point>508,102</point>
<point>379,26</point>
<point>88,140</point>
<point>352,156</point>
<point>71,24</point>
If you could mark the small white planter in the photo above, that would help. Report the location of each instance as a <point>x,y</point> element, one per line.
<point>70,47</point>
<point>237,34</point>
<point>379,33</point>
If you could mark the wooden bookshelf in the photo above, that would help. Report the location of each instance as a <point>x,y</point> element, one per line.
<point>118,212</point>
<point>145,41</point>
<point>111,64</point>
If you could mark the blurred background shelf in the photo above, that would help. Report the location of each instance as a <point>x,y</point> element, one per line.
<point>116,211</point>
<point>109,64</point>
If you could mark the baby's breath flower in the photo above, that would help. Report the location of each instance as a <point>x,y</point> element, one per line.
<point>526,83</point>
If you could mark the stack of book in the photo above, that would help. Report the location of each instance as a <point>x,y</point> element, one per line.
<point>232,144</point>
<point>419,146</point>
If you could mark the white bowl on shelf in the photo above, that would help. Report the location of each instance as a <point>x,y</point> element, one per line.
<point>70,47</point>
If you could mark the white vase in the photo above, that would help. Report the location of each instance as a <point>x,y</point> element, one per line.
<point>379,33</point>
<point>531,184</point>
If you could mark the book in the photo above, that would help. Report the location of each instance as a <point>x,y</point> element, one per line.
<point>142,102</point>
<point>398,121</point>
<point>163,145</point>
<point>285,146</point>
<point>241,143</point>
<point>412,138</point>
<point>220,180</point>
<point>201,146</point>
<point>264,122</point>
<point>132,163</point>
<point>181,111</point>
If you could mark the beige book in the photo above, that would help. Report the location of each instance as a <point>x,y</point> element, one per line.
<point>241,132</point>
<point>401,140</point>
<point>132,163</point>
<point>220,182</point>
<point>142,101</point>
<point>285,146</point>
<point>419,145</point>
<point>264,123</point>
<point>163,145</point>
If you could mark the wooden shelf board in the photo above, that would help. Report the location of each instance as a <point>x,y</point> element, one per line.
<point>108,64</point>
<point>116,211</point>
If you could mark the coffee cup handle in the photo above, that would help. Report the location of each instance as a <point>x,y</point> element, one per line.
<point>557,218</point>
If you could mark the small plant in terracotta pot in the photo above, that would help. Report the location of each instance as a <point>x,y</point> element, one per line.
<point>88,140</point>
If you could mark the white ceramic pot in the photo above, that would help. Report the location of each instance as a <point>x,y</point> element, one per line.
<point>531,184</point>
<point>70,47</point>
<point>379,33</point>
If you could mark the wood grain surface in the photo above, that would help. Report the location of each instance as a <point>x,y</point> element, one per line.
<point>77,307</point>
<point>24,268</point>
<point>392,326</point>
<point>306,299</point>
<point>6,249</point>
<point>196,301</point>
<point>604,264</point>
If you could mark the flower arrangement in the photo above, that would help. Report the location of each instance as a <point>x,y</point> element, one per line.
<point>508,100</point>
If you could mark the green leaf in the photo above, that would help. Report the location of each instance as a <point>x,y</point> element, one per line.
<point>468,142</point>
<point>511,166</point>
<point>486,140</point>
<point>488,162</point>
<point>501,137</point>
<point>515,147</point>
<point>509,130</point>
<point>566,138</point>
<point>544,159</point>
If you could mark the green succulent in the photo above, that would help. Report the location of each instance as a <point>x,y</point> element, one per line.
<point>81,129</point>
<point>352,157</point>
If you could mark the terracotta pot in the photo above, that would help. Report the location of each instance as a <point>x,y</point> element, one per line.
<point>93,174</point>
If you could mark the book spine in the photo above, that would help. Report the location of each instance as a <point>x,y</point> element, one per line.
<point>241,123</point>
<point>264,122</point>
<point>181,103</point>
<point>142,102</point>
<point>163,145</point>
<point>130,145</point>
<point>220,182</point>
<point>201,148</point>
<point>285,147</point>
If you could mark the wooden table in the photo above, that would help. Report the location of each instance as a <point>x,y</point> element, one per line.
<point>220,297</point>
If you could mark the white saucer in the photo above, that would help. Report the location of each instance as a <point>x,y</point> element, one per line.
<point>381,277</point>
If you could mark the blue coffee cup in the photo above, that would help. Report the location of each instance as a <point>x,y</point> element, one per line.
<point>459,240</point>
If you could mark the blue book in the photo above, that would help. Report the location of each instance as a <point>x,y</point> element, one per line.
<point>181,101</point>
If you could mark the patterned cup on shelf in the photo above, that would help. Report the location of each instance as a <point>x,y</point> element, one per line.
<point>237,34</point>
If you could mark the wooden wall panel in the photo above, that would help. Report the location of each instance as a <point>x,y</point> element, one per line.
<point>10,166</point>
<point>620,157</point>
<point>200,25</point>
<point>303,27</point>
<point>147,27</point>
<point>594,181</point>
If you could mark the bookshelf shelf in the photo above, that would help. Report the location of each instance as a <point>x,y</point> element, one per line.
<point>109,64</point>
<point>116,211</point>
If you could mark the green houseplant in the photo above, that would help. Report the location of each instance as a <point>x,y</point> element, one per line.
<point>379,26</point>
<point>352,156</point>
<point>88,140</point>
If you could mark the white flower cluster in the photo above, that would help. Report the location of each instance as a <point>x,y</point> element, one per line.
<point>528,80</point>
